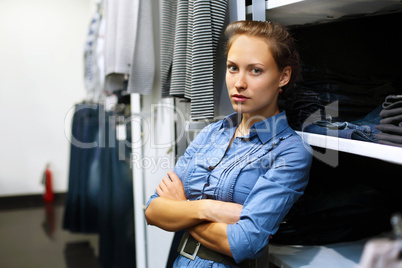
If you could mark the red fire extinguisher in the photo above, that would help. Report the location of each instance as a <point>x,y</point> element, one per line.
<point>47,181</point>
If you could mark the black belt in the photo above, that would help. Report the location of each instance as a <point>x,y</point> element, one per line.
<point>189,247</point>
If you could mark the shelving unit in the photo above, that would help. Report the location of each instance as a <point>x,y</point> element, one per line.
<point>330,256</point>
<point>374,150</point>
<point>300,12</point>
<point>295,13</point>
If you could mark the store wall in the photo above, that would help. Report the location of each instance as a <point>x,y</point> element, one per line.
<point>41,78</point>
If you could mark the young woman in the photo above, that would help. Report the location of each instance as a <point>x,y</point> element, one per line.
<point>240,176</point>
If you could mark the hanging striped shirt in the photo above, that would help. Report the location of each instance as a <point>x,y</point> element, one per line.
<point>199,24</point>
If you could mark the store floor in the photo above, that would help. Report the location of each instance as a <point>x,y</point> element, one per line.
<point>33,237</point>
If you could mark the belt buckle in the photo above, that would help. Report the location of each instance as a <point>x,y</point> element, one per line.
<point>188,255</point>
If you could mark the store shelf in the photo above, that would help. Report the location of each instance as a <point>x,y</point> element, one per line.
<point>309,13</point>
<point>300,12</point>
<point>387,153</point>
<point>274,4</point>
<point>345,255</point>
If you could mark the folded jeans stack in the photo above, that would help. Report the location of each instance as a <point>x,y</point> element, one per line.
<point>391,122</point>
<point>344,130</point>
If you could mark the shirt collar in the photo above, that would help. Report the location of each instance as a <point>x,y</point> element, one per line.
<point>231,120</point>
<point>265,129</point>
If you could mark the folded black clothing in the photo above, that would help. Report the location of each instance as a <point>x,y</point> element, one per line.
<point>389,137</point>
<point>394,120</point>
<point>389,128</point>
<point>385,142</point>
<point>390,112</point>
<point>392,102</point>
<point>393,98</point>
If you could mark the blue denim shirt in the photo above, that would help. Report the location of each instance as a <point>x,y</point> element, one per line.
<point>266,171</point>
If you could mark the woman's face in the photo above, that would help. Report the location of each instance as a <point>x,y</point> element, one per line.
<point>253,79</point>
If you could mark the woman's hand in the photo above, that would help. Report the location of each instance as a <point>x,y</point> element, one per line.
<point>171,187</point>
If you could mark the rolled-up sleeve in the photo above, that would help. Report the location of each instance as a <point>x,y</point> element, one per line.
<point>270,200</point>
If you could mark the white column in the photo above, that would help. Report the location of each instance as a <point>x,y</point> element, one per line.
<point>138,183</point>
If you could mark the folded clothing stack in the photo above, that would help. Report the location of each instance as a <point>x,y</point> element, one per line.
<point>391,122</point>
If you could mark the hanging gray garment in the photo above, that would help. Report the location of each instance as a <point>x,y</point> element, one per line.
<point>198,27</point>
<point>209,19</point>
<point>179,64</point>
<point>142,71</point>
<point>120,34</point>
<point>189,53</point>
<point>167,35</point>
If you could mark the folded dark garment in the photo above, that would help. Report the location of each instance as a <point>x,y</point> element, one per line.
<point>389,137</point>
<point>392,102</point>
<point>390,112</point>
<point>394,120</point>
<point>390,143</point>
<point>389,128</point>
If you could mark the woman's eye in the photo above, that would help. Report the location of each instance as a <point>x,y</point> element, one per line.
<point>232,68</point>
<point>256,71</point>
